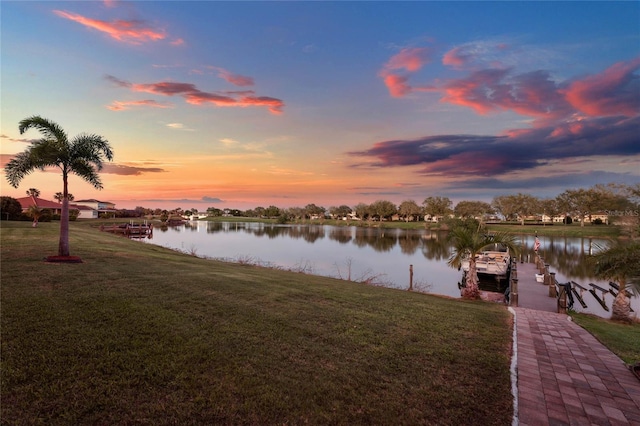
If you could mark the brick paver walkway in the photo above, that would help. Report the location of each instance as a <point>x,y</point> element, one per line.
<point>566,377</point>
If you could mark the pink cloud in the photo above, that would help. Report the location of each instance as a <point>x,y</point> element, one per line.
<point>198,98</point>
<point>397,85</point>
<point>472,163</point>
<point>410,59</point>
<point>235,79</point>
<point>475,91</point>
<point>130,31</point>
<point>117,81</point>
<point>275,105</point>
<point>5,158</point>
<point>614,91</point>
<point>477,54</point>
<point>126,170</point>
<point>195,96</point>
<point>515,150</point>
<point>124,105</point>
<point>166,88</point>
<point>532,94</point>
<point>456,57</point>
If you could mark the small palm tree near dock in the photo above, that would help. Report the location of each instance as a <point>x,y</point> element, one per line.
<point>620,262</point>
<point>469,240</point>
<point>84,156</point>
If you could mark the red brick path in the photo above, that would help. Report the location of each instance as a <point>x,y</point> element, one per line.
<point>566,377</point>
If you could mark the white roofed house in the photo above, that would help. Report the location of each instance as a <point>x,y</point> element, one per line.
<point>85,212</point>
<point>593,217</point>
<point>100,206</point>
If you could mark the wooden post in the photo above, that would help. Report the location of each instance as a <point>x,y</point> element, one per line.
<point>410,277</point>
<point>553,292</point>
<point>562,300</point>
<point>546,274</point>
<point>513,295</point>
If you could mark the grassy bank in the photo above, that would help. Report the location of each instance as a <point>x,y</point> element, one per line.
<point>141,334</point>
<point>574,230</point>
<point>621,339</point>
<point>558,230</point>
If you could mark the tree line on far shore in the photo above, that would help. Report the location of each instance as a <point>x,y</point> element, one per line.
<point>614,200</point>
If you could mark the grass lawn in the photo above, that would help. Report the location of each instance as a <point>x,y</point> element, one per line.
<point>139,334</point>
<point>621,339</point>
<point>575,230</point>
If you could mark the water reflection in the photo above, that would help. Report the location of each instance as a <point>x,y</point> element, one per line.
<point>360,252</point>
<point>432,244</point>
<point>565,255</point>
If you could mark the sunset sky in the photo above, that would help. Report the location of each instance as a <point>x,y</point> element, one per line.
<point>245,104</point>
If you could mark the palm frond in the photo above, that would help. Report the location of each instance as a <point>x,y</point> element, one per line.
<point>20,166</point>
<point>48,128</point>
<point>87,171</point>
<point>48,152</point>
<point>93,148</point>
<point>619,261</point>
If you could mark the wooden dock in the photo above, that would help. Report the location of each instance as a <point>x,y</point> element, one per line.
<point>532,294</point>
<point>552,296</point>
<point>130,229</point>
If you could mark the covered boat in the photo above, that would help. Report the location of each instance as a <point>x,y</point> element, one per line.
<point>490,262</point>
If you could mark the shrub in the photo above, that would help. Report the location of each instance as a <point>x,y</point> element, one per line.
<point>10,208</point>
<point>47,216</point>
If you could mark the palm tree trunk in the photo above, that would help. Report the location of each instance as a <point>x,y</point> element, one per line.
<point>621,309</point>
<point>63,245</point>
<point>471,290</point>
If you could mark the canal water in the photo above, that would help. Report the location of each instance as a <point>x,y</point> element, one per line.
<point>376,255</point>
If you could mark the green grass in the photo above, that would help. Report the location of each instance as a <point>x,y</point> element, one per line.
<point>572,231</point>
<point>141,334</point>
<point>621,339</point>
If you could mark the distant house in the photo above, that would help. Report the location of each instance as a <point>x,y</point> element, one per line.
<point>85,212</point>
<point>545,218</point>
<point>603,216</point>
<point>56,208</point>
<point>26,202</point>
<point>98,206</point>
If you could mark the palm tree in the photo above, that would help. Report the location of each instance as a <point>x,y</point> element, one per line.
<point>33,192</point>
<point>35,212</point>
<point>59,196</point>
<point>83,156</point>
<point>620,262</point>
<point>468,241</point>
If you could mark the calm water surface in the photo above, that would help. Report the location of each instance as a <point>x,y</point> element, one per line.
<point>360,254</point>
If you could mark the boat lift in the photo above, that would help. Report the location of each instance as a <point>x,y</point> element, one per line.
<point>574,290</point>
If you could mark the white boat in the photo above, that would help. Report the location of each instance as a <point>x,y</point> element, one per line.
<point>490,263</point>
